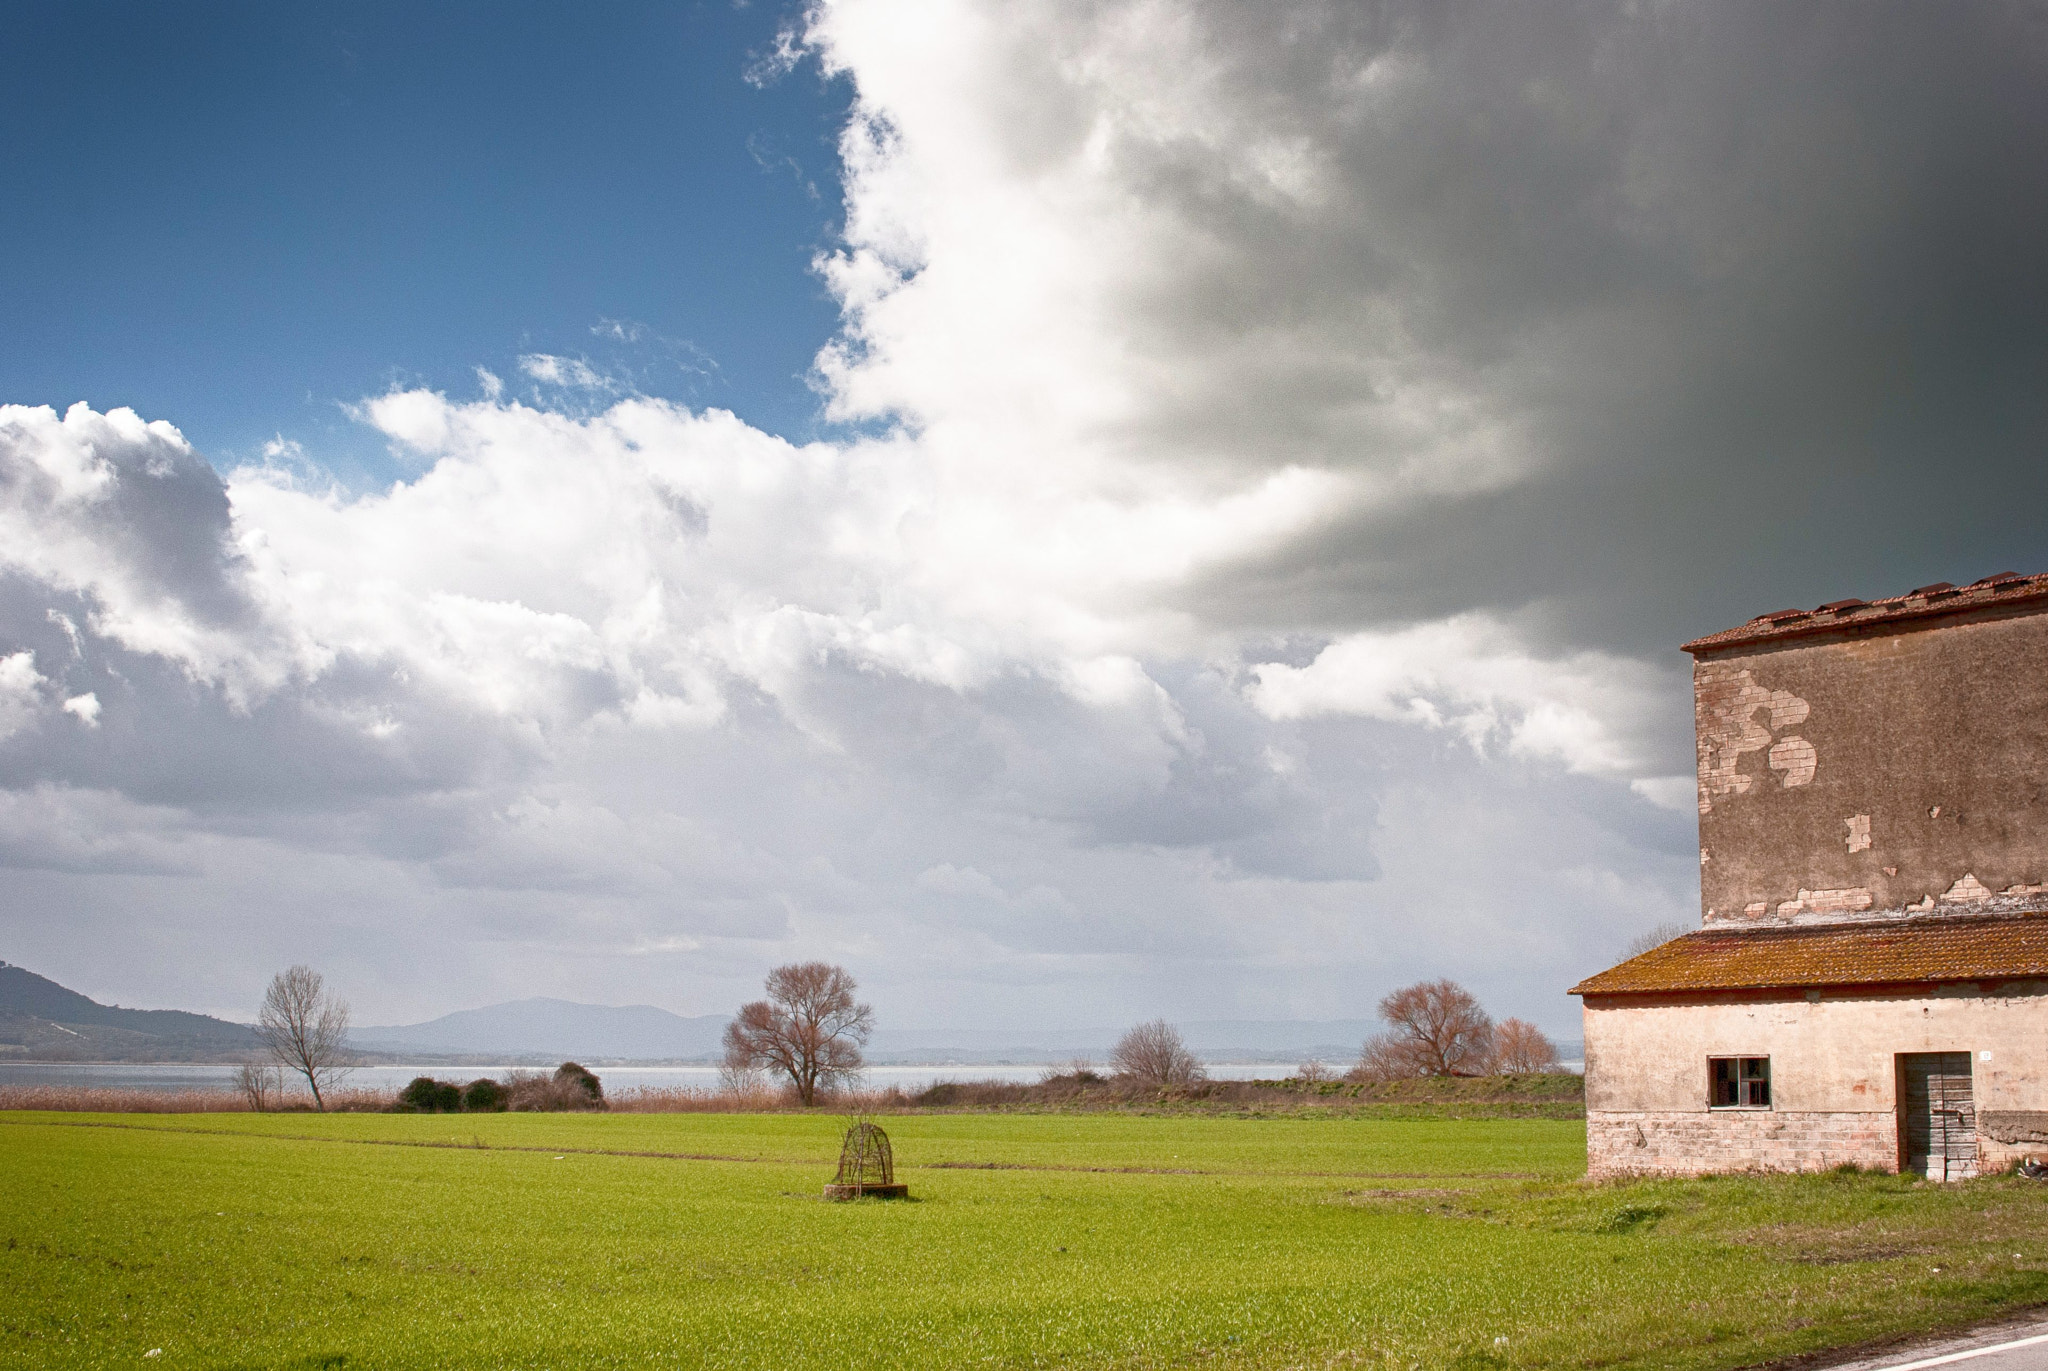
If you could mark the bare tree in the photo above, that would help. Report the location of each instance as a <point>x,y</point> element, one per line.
<point>1385,1057</point>
<point>1437,1029</point>
<point>1655,937</point>
<point>1154,1054</point>
<point>305,1029</point>
<point>809,1029</point>
<point>738,1078</point>
<point>258,1082</point>
<point>1520,1046</point>
<point>1312,1072</point>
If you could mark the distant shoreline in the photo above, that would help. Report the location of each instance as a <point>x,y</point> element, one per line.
<point>216,1076</point>
<point>532,1062</point>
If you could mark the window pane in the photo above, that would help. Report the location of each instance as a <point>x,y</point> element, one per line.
<point>1724,1093</point>
<point>1756,1082</point>
<point>1739,1082</point>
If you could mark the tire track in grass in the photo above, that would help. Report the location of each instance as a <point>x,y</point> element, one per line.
<point>447,1145</point>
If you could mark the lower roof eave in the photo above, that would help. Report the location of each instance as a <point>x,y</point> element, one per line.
<point>1872,990</point>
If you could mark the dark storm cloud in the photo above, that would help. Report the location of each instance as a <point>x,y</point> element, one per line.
<point>1762,291</point>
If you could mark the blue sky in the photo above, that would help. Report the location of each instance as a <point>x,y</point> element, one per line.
<point>246,215</point>
<point>1210,502</point>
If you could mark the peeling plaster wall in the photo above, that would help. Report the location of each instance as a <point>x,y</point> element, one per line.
<point>1880,773</point>
<point>1833,1083</point>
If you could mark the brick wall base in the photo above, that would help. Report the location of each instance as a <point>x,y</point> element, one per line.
<point>1995,1155</point>
<point>1699,1141</point>
<point>1696,1142</point>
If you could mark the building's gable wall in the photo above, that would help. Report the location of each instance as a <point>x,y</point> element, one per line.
<point>1856,775</point>
<point>1834,1097</point>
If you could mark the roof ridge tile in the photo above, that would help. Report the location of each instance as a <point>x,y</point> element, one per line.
<point>1915,607</point>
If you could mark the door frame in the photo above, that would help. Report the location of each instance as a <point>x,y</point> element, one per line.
<point>1900,1097</point>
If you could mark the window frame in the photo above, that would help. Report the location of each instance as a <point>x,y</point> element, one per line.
<point>1750,1078</point>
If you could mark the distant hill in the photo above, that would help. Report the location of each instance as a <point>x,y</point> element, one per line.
<point>554,1029</point>
<point>550,1028</point>
<point>42,1021</point>
<point>1216,1040</point>
<point>1289,1042</point>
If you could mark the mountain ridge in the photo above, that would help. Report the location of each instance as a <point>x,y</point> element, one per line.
<point>545,1026</point>
<point>42,1020</point>
<point>542,1026</point>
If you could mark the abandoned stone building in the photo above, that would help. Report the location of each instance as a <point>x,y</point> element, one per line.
<point>1869,983</point>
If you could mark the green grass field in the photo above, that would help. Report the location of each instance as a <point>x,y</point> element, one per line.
<point>1034,1240</point>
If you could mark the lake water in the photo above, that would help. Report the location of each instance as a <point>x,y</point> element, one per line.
<point>217,1076</point>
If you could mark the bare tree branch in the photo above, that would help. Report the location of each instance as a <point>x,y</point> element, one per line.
<point>1155,1054</point>
<point>1520,1046</point>
<point>1385,1057</point>
<point>809,1029</point>
<point>1436,1028</point>
<point>258,1082</point>
<point>305,1029</point>
<point>1655,937</point>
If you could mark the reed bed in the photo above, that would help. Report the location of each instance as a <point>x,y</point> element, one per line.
<point>1534,1096</point>
<point>86,1099</point>
<point>762,1099</point>
<point>1558,1095</point>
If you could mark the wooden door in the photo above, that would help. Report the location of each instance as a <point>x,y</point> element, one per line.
<point>1940,1115</point>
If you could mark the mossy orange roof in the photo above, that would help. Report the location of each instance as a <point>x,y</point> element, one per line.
<point>1920,951</point>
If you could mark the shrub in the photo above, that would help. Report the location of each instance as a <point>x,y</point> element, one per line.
<point>483,1096</point>
<point>570,1087</point>
<point>526,1093</point>
<point>1153,1055</point>
<point>261,1083</point>
<point>569,1073</point>
<point>428,1096</point>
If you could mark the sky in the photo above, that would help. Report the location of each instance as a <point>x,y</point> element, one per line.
<point>1076,512</point>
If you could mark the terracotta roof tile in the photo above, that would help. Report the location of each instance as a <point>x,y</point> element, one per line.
<point>1940,600</point>
<point>1943,947</point>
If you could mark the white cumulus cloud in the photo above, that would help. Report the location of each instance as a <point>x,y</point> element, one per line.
<point>1472,676</point>
<point>20,691</point>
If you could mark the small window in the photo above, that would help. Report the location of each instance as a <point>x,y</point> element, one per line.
<point>1741,1082</point>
